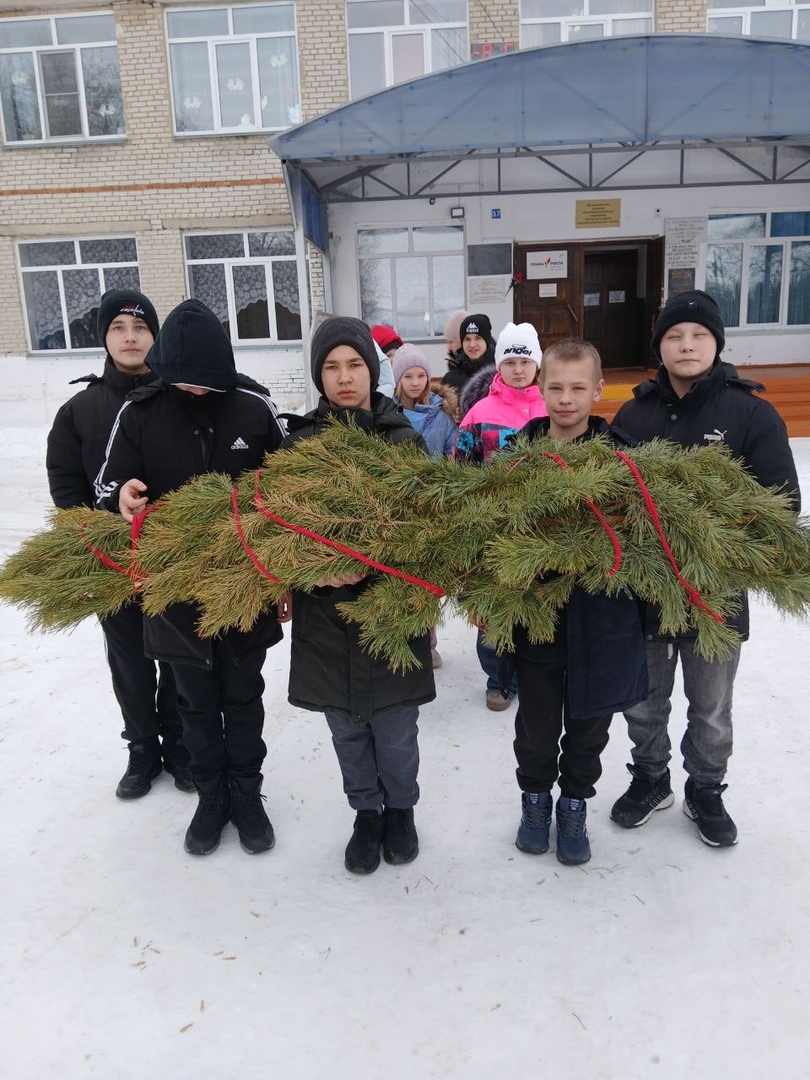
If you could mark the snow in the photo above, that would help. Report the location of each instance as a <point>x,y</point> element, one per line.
<point>123,957</point>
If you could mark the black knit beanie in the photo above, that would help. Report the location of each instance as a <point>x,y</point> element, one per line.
<point>476,324</point>
<point>695,306</point>
<point>343,330</point>
<point>125,302</point>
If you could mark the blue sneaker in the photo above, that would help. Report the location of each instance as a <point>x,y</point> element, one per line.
<point>573,846</point>
<point>532,834</point>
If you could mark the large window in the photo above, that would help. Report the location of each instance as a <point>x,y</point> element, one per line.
<point>758,267</point>
<point>249,280</point>
<point>62,283</point>
<point>768,18</point>
<point>234,69</point>
<point>59,78</point>
<point>548,22</point>
<point>411,277</point>
<point>391,41</point>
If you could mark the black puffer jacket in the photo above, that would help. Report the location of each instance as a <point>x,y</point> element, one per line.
<point>719,408</point>
<point>603,635</point>
<point>81,429</point>
<point>328,667</point>
<point>461,369</point>
<point>165,437</point>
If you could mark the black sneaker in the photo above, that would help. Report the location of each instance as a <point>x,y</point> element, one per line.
<point>363,850</point>
<point>642,798</point>
<point>175,763</point>
<point>400,842</point>
<point>573,846</point>
<point>144,765</point>
<point>535,821</point>
<point>704,805</point>
<point>249,816</point>
<point>212,815</point>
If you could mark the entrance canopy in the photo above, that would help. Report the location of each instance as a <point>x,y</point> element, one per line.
<point>573,117</point>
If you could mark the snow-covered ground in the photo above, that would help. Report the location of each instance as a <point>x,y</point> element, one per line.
<point>122,957</point>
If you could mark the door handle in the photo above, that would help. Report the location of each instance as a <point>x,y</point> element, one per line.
<point>574,315</point>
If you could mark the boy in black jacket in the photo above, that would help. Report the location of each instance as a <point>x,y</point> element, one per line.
<point>202,416</point>
<point>568,689</point>
<point>695,399</point>
<point>127,326</point>
<point>371,711</point>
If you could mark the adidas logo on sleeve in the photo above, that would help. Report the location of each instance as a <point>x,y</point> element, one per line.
<point>239,444</point>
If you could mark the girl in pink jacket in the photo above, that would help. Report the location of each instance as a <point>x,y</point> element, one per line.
<point>513,400</point>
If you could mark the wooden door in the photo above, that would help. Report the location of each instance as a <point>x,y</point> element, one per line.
<point>549,293</point>
<point>611,313</point>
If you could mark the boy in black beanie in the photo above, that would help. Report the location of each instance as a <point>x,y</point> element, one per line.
<point>127,326</point>
<point>696,399</point>
<point>372,712</point>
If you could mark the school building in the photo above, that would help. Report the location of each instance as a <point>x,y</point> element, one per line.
<point>566,162</point>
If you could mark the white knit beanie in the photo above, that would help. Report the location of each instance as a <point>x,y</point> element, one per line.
<point>518,342</point>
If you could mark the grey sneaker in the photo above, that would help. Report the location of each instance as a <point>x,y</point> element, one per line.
<point>642,798</point>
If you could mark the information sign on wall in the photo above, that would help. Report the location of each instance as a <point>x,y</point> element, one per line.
<point>546,264</point>
<point>598,213</point>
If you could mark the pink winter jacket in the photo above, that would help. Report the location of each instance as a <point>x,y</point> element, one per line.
<point>490,422</point>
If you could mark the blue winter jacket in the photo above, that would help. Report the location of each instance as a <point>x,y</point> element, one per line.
<point>433,424</point>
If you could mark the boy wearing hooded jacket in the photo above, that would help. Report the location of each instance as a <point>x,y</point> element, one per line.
<point>372,712</point>
<point>696,399</point>
<point>127,326</point>
<point>202,416</point>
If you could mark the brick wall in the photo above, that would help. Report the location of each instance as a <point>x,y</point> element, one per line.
<point>494,20</point>
<point>680,16</point>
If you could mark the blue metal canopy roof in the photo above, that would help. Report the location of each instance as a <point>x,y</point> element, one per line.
<point>626,91</point>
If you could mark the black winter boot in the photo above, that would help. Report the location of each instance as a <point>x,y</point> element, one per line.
<point>249,816</point>
<point>401,844</point>
<point>175,762</point>
<point>144,765</point>
<point>212,815</point>
<point>363,850</point>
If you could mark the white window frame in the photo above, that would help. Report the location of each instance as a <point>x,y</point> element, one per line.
<point>744,12</point>
<point>60,268</point>
<point>36,51</point>
<point>748,244</point>
<point>232,38</point>
<point>611,25</point>
<point>393,257</point>
<point>406,28</point>
<point>246,259</point>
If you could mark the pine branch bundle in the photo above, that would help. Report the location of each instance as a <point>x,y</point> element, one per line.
<point>484,535</point>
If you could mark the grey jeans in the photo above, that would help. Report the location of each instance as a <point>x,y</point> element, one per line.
<point>379,758</point>
<point>708,685</point>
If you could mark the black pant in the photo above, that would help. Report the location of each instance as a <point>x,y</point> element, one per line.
<point>543,713</point>
<point>145,695</point>
<point>222,714</point>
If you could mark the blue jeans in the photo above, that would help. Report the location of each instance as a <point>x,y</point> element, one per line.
<point>489,662</point>
<point>379,758</point>
<point>708,686</point>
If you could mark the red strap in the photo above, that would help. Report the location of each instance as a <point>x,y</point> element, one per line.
<point>134,572</point>
<point>617,547</point>
<point>259,504</point>
<point>251,553</point>
<point>692,593</point>
<point>100,554</point>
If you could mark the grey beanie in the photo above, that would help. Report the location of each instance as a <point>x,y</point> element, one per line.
<point>343,330</point>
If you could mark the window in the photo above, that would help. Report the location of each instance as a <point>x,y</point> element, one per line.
<point>768,18</point>
<point>548,22</point>
<point>411,277</point>
<point>62,283</point>
<point>391,41</point>
<point>249,280</point>
<point>758,267</point>
<point>234,69</point>
<point>59,79</point>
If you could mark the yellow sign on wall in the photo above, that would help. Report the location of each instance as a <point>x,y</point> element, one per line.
<point>598,213</point>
